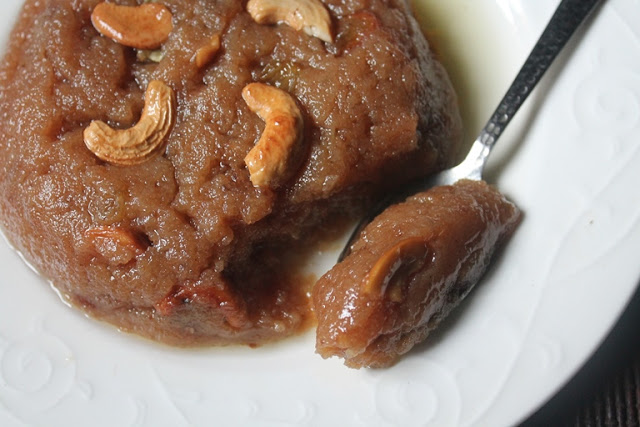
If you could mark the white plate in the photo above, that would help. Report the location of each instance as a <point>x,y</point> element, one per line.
<point>574,168</point>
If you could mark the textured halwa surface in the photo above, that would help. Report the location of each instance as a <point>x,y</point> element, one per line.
<point>206,267</point>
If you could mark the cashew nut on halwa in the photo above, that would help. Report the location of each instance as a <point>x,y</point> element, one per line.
<point>140,142</point>
<point>146,26</point>
<point>278,152</point>
<point>118,245</point>
<point>310,16</point>
<point>394,266</point>
<point>147,55</point>
<point>205,53</point>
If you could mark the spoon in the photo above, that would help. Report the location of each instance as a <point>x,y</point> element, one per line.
<point>563,24</point>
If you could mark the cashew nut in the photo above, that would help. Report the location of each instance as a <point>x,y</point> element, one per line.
<point>138,143</point>
<point>146,26</point>
<point>207,52</point>
<point>395,266</point>
<point>310,16</point>
<point>146,55</point>
<point>118,245</point>
<point>278,152</point>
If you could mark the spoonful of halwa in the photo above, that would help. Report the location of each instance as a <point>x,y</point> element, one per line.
<point>403,271</point>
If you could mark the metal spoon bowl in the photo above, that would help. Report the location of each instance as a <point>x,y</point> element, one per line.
<point>563,24</point>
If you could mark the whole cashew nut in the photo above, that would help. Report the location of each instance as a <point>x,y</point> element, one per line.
<point>310,16</point>
<point>146,26</point>
<point>277,154</point>
<point>140,142</point>
<point>394,265</point>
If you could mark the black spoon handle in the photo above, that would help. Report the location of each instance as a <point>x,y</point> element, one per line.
<point>565,21</point>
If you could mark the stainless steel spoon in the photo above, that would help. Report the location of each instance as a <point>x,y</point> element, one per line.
<point>563,24</point>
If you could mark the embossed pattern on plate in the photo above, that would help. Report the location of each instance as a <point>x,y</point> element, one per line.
<point>543,308</point>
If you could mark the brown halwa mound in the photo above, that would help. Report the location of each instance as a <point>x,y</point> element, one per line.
<point>183,248</point>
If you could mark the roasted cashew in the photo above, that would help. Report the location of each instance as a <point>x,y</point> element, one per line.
<point>310,16</point>
<point>277,154</point>
<point>207,51</point>
<point>138,143</point>
<point>117,245</point>
<point>395,266</point>
<point>146,26</point>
